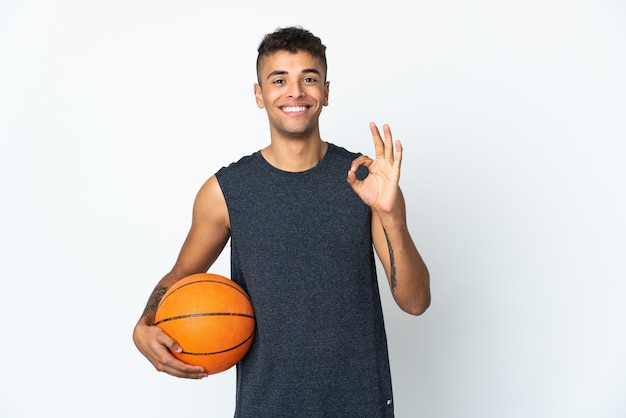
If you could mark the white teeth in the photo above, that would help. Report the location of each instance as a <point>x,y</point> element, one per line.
<point>290,109</point>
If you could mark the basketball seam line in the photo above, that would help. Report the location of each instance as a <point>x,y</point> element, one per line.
<point>172,318</point>
<point>205,281</point>
<point>219,352</point>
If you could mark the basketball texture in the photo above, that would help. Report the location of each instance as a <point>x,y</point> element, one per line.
<point>211,318</point>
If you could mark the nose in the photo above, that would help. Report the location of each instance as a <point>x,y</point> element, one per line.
<point>295,91</point>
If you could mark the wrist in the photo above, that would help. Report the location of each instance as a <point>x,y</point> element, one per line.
<point>393,221</point>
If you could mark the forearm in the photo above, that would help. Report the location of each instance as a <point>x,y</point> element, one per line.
<point>153,302</point>
<point>146,321</point>
<point>147,317</point>
<point>406,271</point>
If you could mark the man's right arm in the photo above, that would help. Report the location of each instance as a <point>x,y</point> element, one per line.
<point>209,233</point>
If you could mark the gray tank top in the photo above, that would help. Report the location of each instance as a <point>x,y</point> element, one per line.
<point>301,247</point>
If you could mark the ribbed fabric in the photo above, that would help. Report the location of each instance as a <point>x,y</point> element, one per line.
<point>301,247</point>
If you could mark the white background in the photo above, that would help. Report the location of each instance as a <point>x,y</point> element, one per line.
<point>513,119</point>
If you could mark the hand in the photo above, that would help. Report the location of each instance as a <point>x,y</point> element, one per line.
<point>380,189</point>
<point>156,346</point>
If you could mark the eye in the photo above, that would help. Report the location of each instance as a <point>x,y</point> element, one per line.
<point>278,81</point>
<point>310,80</point>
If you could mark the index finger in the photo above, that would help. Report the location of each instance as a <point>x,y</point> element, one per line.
<point>379,145</point>
<point>384,148</point>
<point>168,362</point>
<point>178,368</point>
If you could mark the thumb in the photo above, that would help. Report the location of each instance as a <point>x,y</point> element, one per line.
<point>175,347</point>
<point>361,160</point>
<point>351,178</point>
<point>169,342</point>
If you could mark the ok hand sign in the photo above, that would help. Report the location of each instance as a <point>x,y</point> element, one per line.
<point>379,189</point>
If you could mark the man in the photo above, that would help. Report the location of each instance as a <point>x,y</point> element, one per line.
<point>301,216</point>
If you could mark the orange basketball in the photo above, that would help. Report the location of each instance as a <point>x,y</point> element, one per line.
<point>211,318</point>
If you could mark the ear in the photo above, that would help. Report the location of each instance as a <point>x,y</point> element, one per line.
<point>326,92</point>
<point>258,96</point>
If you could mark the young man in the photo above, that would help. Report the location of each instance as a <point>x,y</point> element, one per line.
<point>302,215</point>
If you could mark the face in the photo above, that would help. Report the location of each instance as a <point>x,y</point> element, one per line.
<point>293,93</point>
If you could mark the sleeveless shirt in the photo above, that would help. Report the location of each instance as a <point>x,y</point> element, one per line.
<point>301,247</point>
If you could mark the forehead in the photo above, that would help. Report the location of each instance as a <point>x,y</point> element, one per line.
<point>289,62</point>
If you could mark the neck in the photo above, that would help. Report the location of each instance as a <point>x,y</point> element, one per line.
<point>295,155</point>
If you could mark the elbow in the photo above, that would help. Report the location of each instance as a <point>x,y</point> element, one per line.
<point>414,296</point>
<point>417,307</point>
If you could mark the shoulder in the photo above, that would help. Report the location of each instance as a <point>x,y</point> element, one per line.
<point>233,180</point>
<point>343,158</point>
<point>210,204</point>
<point>210,194</point>
<point>246,163</point>
<point>341,152</point>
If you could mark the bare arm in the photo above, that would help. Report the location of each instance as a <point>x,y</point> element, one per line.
<point>406,272</point>
<point>205,241</point>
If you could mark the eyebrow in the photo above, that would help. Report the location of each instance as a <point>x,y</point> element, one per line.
<point>283,72</point>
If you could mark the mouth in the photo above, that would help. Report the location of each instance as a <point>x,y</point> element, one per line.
<point>294,109</point>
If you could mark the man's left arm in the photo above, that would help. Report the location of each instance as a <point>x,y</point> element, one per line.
<point>406,271</point>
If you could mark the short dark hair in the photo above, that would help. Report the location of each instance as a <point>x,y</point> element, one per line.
<point>292,39</point>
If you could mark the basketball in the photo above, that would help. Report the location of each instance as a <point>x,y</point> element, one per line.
<point>211,318</point>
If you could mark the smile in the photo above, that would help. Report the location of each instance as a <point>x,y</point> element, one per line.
<point>294,109</point>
